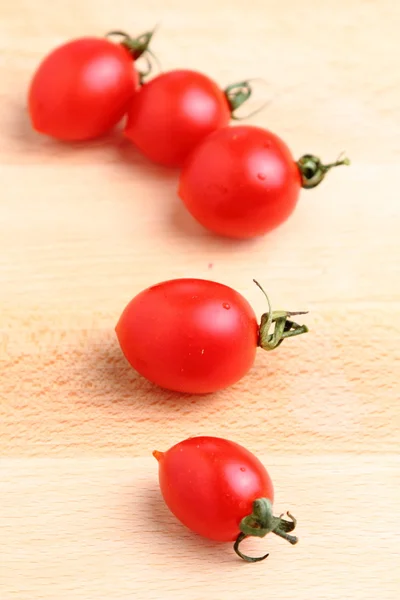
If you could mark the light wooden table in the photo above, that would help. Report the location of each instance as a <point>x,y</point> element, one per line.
<point>83,229</point>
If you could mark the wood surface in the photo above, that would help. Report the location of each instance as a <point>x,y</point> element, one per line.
<point>83,228</point>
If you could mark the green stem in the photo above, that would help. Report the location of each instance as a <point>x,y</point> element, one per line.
<point>236,94</point>
<point>136,46</point>
<point>261,522</point>
<point>239,539</point>
<point>145,73</point>
<point>283,326</point>
<point>313,171</point>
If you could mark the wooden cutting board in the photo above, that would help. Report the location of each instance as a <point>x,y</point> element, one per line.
<point>83,228</point>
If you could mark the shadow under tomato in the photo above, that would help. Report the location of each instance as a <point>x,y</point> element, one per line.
<point>109,376</point>
<point>31,141</point>
<point>156,532</point>
<point>169,535</point>
<point>114,146</point>
<point>183,224</point>
<point>129,155</point>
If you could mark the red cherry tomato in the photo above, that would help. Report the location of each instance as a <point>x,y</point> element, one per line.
<point>241,182</point>
<point>196,336</point>
<point>220,490</point>
<point>82,89</point>
<point>172,113</point>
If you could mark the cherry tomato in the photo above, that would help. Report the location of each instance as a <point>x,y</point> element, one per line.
<point>197,336</point>
<point>82,89</point>
<point>172,113</point>
<point>221,491</point>
<point>241,182</point>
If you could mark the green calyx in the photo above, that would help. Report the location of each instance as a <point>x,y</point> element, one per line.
<point>261,522</point>
<point>136,46</point>
<point>313,171</point>
<point>277,325</point>
<point>236,94</point>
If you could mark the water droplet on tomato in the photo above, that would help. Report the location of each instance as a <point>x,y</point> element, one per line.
<point>226,305</point>
<point>242,469</point>
<point>261,176</point>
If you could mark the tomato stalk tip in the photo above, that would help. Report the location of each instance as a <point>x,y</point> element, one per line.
<point>158,455</point>
<point>261,522</point>
<point>313,171</point>
<point>283,326</point>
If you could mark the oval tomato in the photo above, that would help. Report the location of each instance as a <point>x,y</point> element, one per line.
<point>197,336</point>
<point>241,182</point>
<point>82,89</point>
<point>172,113</point>
<point>220,490</point>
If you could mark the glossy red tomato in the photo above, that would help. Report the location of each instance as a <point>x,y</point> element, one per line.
<point>82,89</point>
<point>241,182</point>
<point>220,490</point>
<point>196,336</point>
<point>172,113</point>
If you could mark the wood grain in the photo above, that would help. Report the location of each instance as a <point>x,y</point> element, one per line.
<point>98,529</point>
<point>83,228</point>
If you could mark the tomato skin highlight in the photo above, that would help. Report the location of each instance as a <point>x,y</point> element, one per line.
<point>189,335</point>
<point>210,484</point>
<point>240,182</point>
<point>82,89</point>
<point>172,113</point>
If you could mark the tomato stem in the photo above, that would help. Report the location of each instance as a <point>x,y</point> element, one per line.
<point>136,46</point>
<point>283,326</point>
<point>236,94</point>
<point>313,171</point>
<point>239,539</point>
<point>145,73</point>
<point>262,521</point>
